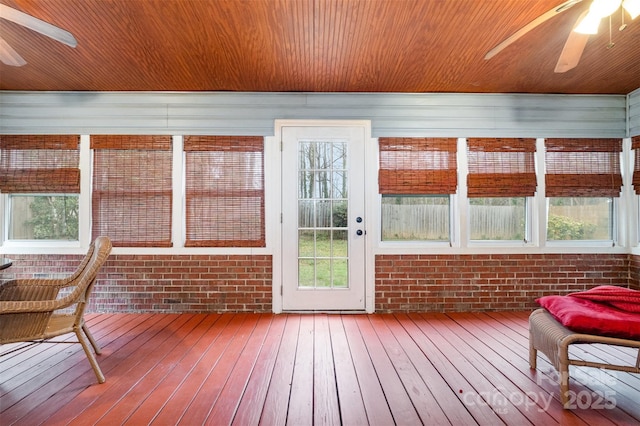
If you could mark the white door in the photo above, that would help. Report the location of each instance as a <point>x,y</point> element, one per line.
<point>323,223</point>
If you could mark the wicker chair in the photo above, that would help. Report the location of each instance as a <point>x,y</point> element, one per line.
<point>39,309</point>
<point>553,339</point>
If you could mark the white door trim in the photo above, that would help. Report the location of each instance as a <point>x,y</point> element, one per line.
<point>274,196</point>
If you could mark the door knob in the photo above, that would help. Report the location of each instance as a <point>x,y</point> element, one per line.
<point>359,232</point>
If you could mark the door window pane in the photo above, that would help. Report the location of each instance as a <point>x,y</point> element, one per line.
<point>322,214</point>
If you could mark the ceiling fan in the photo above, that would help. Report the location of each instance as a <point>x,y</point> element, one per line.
<point>586,24</point>
<point>8,55</point>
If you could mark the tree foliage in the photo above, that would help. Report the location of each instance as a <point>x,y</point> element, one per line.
<point>565,228</point>
<point>54,217</point>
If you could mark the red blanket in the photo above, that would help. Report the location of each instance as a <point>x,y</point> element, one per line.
<point>603,311</point>
<point>620,297</point>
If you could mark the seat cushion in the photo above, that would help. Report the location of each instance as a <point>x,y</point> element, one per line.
<point>585,316</point>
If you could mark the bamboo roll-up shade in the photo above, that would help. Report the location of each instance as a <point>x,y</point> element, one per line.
<point>583,167</point>
<point>418,166</point>
<point>501,167</point>
<point>224,191</point>
<point>635,145</point>
<point>132,189</point>
<point>40,164</point>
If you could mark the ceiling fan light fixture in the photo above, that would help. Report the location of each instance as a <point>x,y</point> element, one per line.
<point>604,8</point>
<point>632,7</point>
<point>589,24</point>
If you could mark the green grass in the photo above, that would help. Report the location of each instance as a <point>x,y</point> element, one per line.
<point>323,271</point>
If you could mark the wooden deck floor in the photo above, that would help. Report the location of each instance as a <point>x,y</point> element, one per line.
<point>247,369</point>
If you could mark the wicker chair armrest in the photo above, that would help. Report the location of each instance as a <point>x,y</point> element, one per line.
<point>49,282</point>
<point>28,306</point>
<point>29,290</point>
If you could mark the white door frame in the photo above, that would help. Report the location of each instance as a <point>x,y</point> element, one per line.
<point>274,197</point>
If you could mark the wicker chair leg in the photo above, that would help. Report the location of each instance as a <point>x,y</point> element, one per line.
<point>564,385</point>
<point>93,342</point>
<point>90,355</point>
<point>533,353</point>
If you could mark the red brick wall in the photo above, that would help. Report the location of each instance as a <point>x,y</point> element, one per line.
<point>443,283</point>
<point>634,272</point>
<point>239,283</point>
<point>173,283</point>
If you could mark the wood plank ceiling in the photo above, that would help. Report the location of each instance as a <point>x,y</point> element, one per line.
<point>314,46</point>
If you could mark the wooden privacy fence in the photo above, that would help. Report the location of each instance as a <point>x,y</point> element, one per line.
<point>431,222</point>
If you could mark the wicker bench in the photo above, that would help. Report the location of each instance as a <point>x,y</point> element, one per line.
<point>553,339</point>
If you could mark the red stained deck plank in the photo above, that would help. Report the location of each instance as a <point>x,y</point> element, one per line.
<point>352,409</point>
<point>188,390</point>
<point>277,398</point>
<point>253,399</point>
<point>93,401</point>
<point>205,337</point>
<point>300,410</point>
<point>373,395</point>
<point>226,405</point>
<point>438,355</point>
<point>167,360</point>
<point>448,402</point>
<point>326,409</point>
<point>131,373</point>
<point>207,397</point>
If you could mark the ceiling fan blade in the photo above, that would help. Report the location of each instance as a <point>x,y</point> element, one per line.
<point>37,25</point>
<point>9,56</point>
<point>531,25</point>
<point>572,50</point>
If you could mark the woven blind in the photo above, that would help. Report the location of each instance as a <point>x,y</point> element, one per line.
<point>501,167</point>
<point>132,190</point>
<point>224,191</point>
<point>635,145</point>
<point>417,166</point>
<point>583,167</point>
<point>39,164</point>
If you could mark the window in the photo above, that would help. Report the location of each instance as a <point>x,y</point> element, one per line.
<point>582,179</point>
<point>580,218</point>
<point>498,219</point>
<point>414,218</point>
<point>132,189</point>
<point>224,191</point>
<point>43,217</point>
<point>416,178</point>
<point>501,177</point>
<point>41,175</point>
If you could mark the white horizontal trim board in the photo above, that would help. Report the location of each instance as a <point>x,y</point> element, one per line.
<point>242,113</point>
